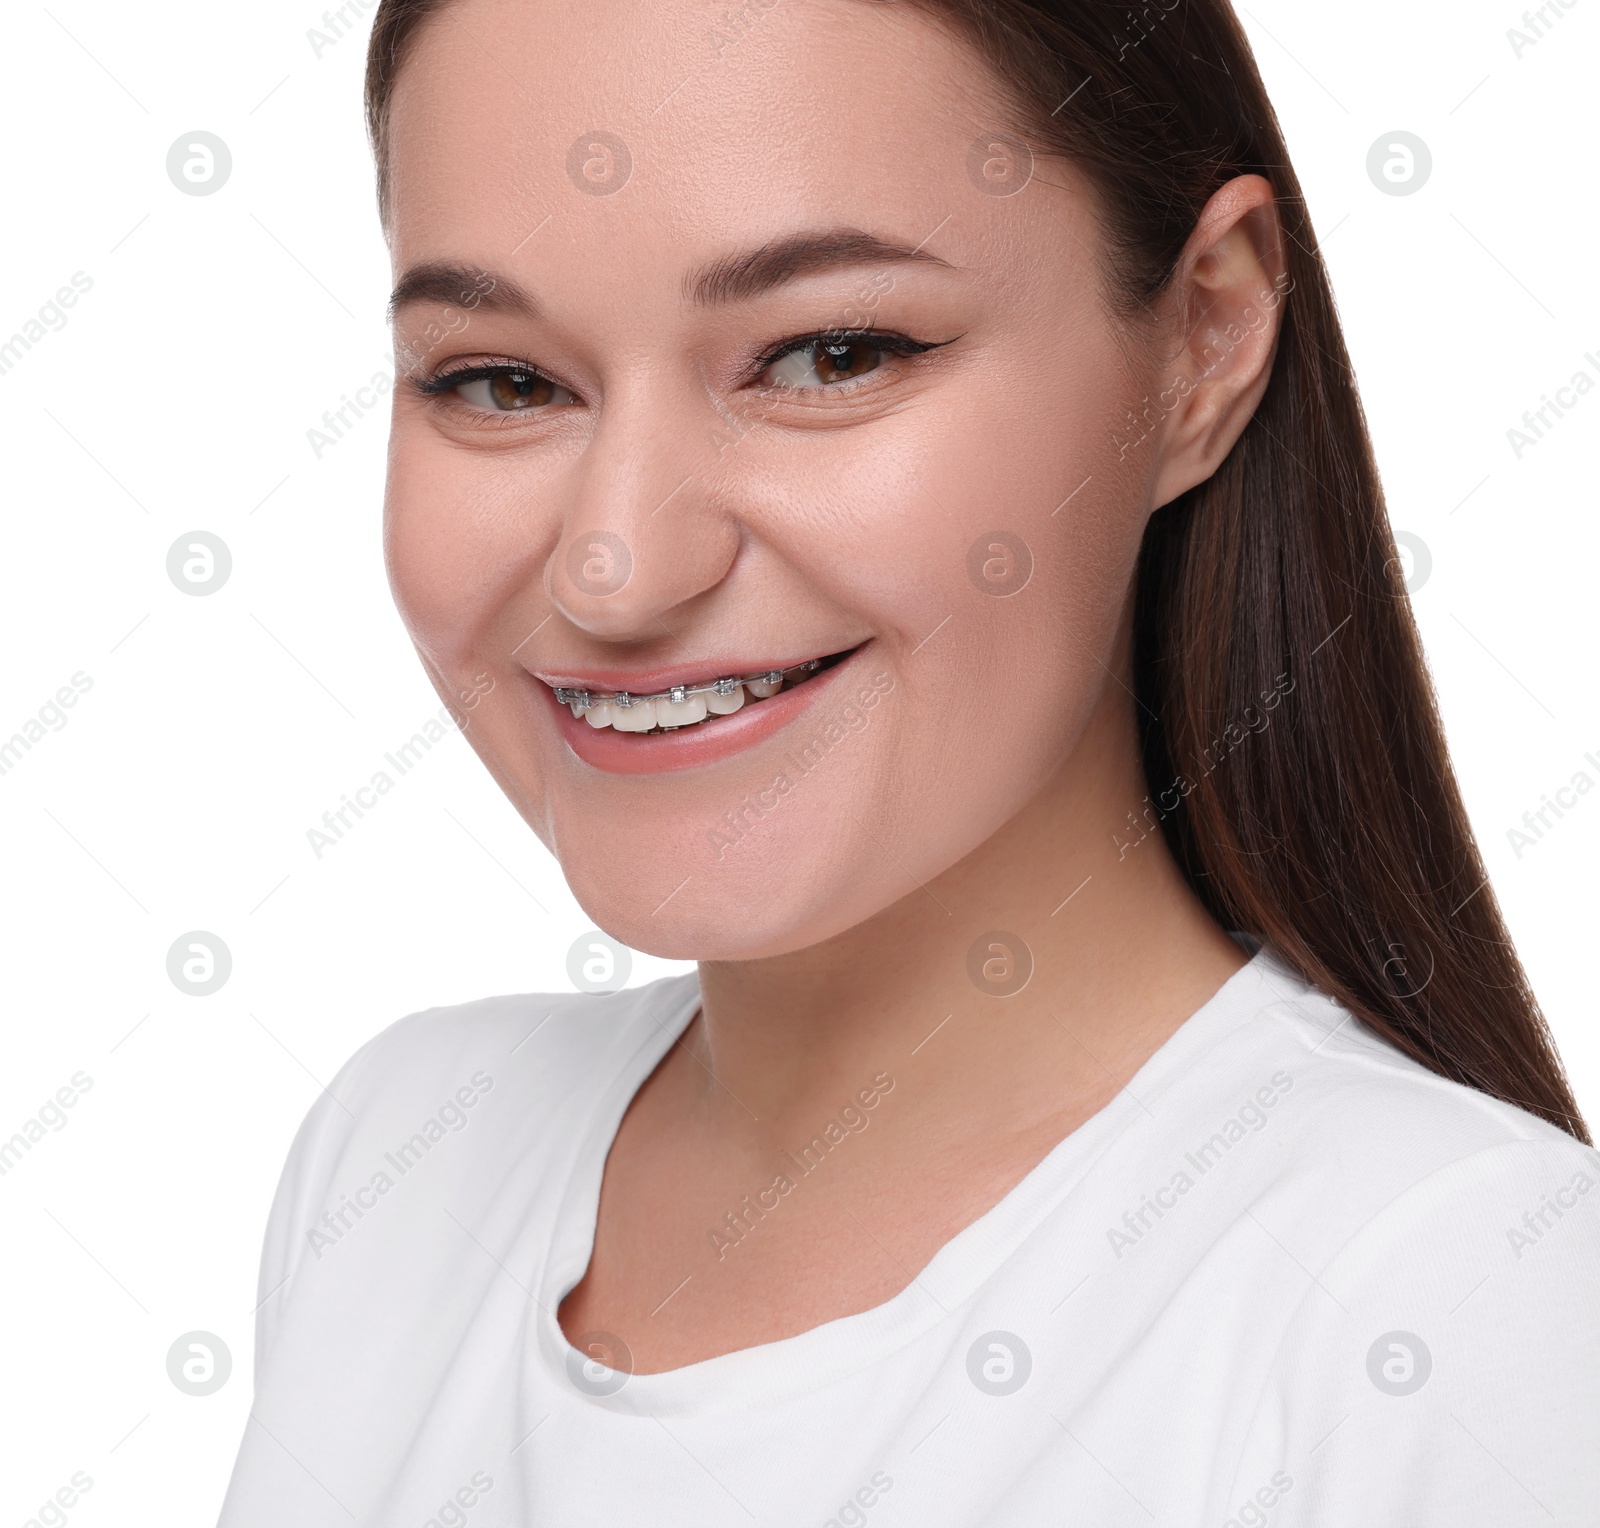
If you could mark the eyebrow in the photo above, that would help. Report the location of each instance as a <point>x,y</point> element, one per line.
<point>730,278</point>
<point>738,277</point>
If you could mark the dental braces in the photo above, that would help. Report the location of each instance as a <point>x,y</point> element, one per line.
<point>622,699</point>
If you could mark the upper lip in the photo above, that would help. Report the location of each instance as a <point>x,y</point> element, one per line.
<point>649,681</point>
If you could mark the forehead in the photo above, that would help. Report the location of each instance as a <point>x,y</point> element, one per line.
<point>684,125</point>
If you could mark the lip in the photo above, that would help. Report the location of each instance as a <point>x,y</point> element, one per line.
<point>621,753</point>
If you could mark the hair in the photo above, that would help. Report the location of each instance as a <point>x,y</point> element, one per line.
<point>1333,830</point>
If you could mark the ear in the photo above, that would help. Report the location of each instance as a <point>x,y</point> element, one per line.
<point>1225,305</point>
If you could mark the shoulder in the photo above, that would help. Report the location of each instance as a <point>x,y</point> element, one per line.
<point>538,1044</point>
<point>1444,1330</point>
<point>1361,1111</point>
<point>507,1082</point>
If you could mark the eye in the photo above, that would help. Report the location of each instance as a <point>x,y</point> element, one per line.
<point>502,389</point>
<point>821,360</point>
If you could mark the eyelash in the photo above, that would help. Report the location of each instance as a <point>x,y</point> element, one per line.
<point>889,342</point>
<point>880,339</point>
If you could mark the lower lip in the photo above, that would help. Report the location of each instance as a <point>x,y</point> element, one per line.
<point>647,753</point>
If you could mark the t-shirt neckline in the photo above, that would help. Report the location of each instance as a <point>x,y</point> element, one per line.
<point>813,1358</point>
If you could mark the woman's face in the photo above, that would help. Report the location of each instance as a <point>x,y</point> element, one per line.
<point>633,207</point>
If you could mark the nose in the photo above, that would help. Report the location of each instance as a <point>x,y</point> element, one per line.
<point>646,529</point>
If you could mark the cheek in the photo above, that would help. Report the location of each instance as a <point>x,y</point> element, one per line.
<point>459,541</point>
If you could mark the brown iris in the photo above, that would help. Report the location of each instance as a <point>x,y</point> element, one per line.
<point>520,389</point>
<point>839,360</point>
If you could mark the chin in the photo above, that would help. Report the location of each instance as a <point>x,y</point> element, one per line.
<point>758,902</point>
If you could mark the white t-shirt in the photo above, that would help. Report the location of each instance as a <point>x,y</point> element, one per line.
<point>1287,1278</point>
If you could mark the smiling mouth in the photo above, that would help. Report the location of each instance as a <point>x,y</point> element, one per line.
<point>688,705</point>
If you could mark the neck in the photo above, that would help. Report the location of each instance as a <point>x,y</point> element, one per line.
<point>1122,952</point>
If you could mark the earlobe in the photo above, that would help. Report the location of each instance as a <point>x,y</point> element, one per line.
<point>1227,306</point>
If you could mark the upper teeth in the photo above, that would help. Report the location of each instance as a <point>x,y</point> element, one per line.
<point>679,706</point>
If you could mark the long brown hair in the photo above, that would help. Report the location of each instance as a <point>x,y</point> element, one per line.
<point>1334,831</point>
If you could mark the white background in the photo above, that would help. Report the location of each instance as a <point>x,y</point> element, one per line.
<point>178,397</point>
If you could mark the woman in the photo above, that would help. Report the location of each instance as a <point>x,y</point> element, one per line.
<point>882,488</point>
